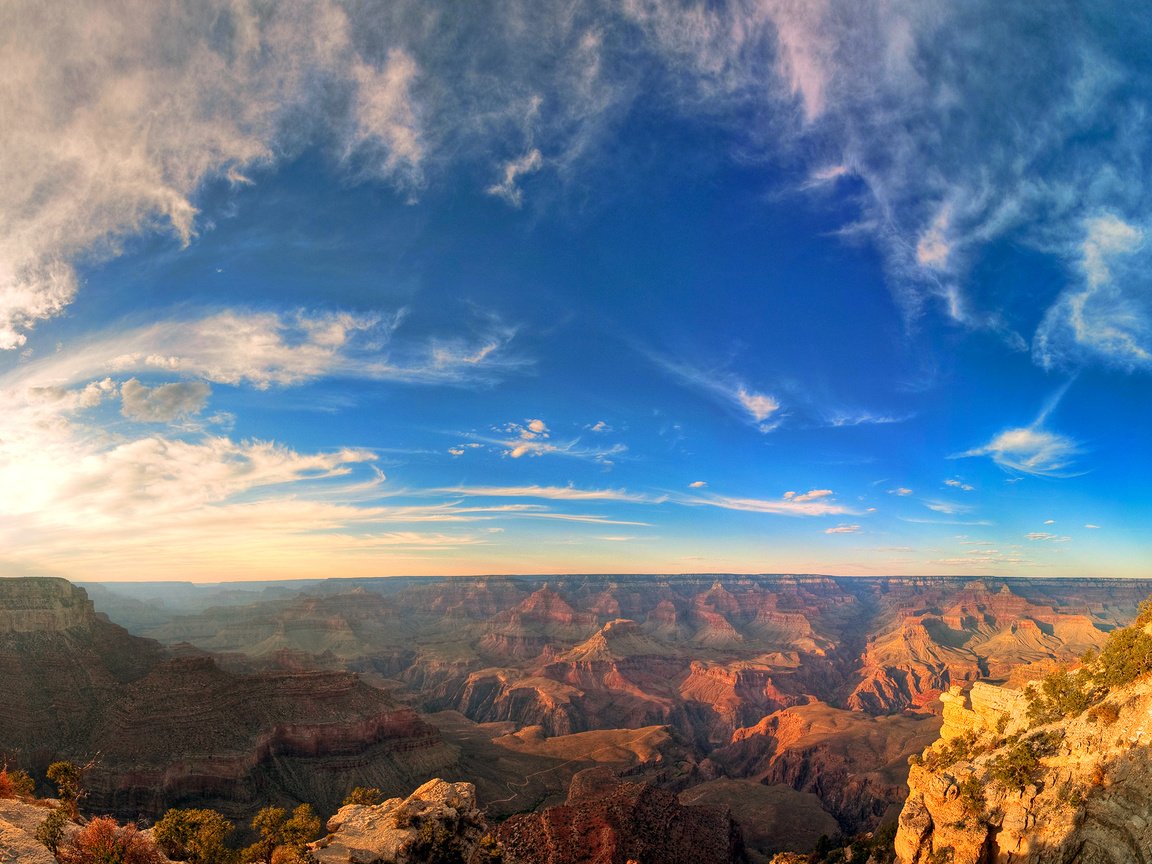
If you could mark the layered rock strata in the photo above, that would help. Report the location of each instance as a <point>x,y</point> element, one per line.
<point>154,730</point>
<point>606,819</point>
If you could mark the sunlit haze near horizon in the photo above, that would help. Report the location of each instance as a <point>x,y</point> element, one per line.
<point>369,289</point>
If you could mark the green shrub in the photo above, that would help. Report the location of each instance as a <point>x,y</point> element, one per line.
<point>50,832</point>
<point>1062,694</point>
<point>363,796</point>
<point>195,836</point>
<point>971,796</point>
<point>67,778</point>
<point>1019,765</point>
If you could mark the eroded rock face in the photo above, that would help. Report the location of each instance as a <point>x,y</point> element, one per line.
<point>402,830</point>
<point>163,730</point>
<point>18,843</point>
<point>609,820</point>
<point>1088,801</point>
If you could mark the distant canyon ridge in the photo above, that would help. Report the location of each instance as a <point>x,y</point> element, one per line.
<point>793,700</point>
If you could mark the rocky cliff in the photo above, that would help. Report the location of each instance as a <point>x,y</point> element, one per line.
<point>613,821</point>
<point>996,788</point>
<point>160,729</point>
<point>708,656</point>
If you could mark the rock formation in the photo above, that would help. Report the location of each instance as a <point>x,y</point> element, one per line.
<point>18,843</point>
<point>161,730</point>
<point>613,821</point>
<point>993,791</point>
<point>439,817</point>
<point>706,656</point>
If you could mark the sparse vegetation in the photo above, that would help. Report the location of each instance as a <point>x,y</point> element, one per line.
<point>1126,657</point>
<point>971,796</point>
<point>67,778</point>
<point>962,748</point>
<point>195,836</point>
<point>279,831</point>
<point>15,784</point>
<point>364,796</point>
<point>1019,765</point>
<point>50,832</point>
<point>103,841</point>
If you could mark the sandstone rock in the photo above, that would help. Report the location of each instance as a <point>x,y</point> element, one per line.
<point>1087,802</point>
<point>399,830</point>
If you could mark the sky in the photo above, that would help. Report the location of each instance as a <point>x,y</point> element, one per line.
<point>328,289</point>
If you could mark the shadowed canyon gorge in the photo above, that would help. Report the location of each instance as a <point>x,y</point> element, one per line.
<point>792,701</point>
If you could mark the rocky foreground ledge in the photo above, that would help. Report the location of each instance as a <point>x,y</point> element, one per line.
<point>996,789</point>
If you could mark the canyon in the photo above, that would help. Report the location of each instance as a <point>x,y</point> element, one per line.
<point>792,701</point>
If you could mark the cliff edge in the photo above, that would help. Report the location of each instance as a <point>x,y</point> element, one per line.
<point>1060,774</point>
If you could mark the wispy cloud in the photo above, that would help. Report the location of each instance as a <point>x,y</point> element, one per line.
<point>1050,538</point>
<point>819,506</point>
<point>753,406</point>
<point>553,493</point>
<point>1032,449</point>
<point>959,484</point>
<point>262,349</point>
<point>1108,316</point>
<point>949,508</point>
<point>843,529</point>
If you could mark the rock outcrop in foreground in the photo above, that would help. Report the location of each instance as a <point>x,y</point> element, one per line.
<point>1076,790</point>
<point>439,818</point>
<point>18,843</point>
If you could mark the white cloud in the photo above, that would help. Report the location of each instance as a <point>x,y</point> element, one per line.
<point>760,405</point>
<point>116,116</point>
<point>810,495</point>
<point>948,508</point>
<point>763,410</point>
<point>697,484</point>
<point>164,403</point>
<point>387,136</point>
<point>1030,450</point>
<point>1090,525</point>
<point>901,491</point>
<point>1049,521</point>
<point>266,348</point>
<point>843,529</point>
<point>599,426</point>
<point>959,484</point>
<point>820,506</point>
<point>1108,317</point>
<point>553,493</point>
<point>1050,538</point>
<point>538,427</point>
<point>508,188</point>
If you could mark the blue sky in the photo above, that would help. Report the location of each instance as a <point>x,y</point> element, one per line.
<point>332,289</point>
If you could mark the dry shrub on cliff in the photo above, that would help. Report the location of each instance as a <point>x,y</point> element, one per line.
<point>15,784</point>
<point>102,841</point>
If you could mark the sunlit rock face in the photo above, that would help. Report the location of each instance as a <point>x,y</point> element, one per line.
<point>158,729</point>
<point>1088,800</point>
